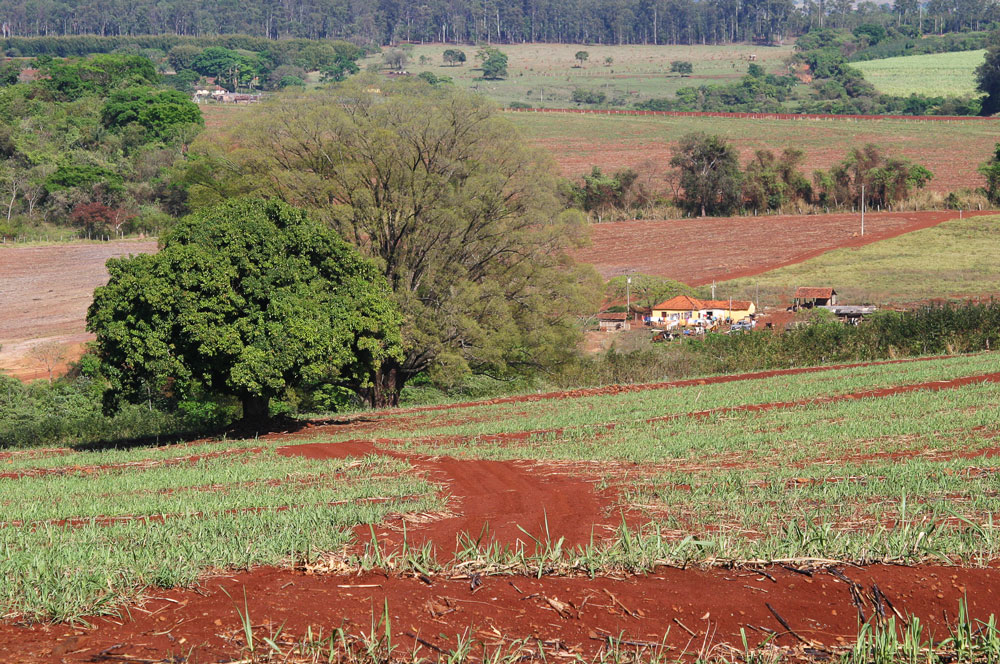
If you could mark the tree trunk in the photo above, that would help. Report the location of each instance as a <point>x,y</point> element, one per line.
<point>256,409</point>
<point>386,385</point>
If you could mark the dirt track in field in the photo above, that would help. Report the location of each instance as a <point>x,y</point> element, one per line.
<point>44,294</point>
<point>699,251</point>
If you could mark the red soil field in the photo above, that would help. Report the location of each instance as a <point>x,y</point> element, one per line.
<point>698,251</point>
<point>807,606</point>
<point>44,294</point>
<point>687,610</point>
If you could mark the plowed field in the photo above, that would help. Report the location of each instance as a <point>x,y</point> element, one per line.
<point>44,295</point>
<point>699,251</point>
<point>951,150</point>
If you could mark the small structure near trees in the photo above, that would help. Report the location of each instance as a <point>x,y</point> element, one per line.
<point>807,297</point>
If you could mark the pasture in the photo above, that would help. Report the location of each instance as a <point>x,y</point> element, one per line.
<point>933,75</point>
<point>589,523</point>
<point>545,75</point>
<point>957,258</point>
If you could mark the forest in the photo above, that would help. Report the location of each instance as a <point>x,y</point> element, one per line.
<point>564,21</point>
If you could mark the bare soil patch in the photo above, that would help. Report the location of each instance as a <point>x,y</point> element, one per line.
<point>44,294</point>
<point>699,251</point>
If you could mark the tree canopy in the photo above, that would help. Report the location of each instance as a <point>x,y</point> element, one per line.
<point>709,174</point>
<point>494,63</point>
<point>461,216</point>
<point>988,76</point>
<point>248,298</point>
<point>160,112</point>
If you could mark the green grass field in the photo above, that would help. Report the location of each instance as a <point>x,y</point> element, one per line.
<point>246,508</point>
<point>546,75</point>
<point>957,258</point>
<point>936,74</point>
<point>896,477</point>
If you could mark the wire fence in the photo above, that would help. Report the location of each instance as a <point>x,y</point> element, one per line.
<point>755,116</point>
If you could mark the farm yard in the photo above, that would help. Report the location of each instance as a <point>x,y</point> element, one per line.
<point>693,251</point>
<point>527,526</point>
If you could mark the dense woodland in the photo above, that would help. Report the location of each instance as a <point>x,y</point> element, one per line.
<point>568,21</point>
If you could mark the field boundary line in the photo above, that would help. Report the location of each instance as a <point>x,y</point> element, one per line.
<point>752,116</point>
<point>875,393</point>
<point>641,387</point>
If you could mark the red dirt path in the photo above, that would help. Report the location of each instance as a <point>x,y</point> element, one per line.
<point>699,251</point>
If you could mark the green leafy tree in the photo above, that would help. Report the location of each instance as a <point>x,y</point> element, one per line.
<point>10,72</point>
<point>991,171</point>
<point>97,76</point>
<point>682,67</point>
<point>885,180</point>
<point>339,69</point>
<point>396,59</point>
<point>70,176</point>
<point>453,56</point>
<point>160,112</point>
<point>988,76</point>
<point>247,299</point>
<point>581,57</point>
<point>460,214</point>
<point>709,174</point>
<point>230,68</point>
<point>182,56</point>
<point>770,181</point>
<point>494,63</point>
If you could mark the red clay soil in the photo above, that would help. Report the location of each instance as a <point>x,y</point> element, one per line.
<point>686,609</point>
<point>44,295</point>
<point>699,251</point>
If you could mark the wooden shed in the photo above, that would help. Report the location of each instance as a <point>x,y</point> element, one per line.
<point>807,297</point>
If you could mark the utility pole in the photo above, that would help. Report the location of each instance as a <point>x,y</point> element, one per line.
<point>862,210</point>
<point>628,301</point>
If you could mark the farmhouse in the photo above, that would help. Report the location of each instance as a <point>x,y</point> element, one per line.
<point>809,296</point>
<point>684,307</point>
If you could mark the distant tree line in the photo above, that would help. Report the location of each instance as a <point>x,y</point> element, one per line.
<point>708,180</point>
<point>567,21</point>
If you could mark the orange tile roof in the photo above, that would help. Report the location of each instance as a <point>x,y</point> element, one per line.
<point>680,303</point>
<point>812,293</point>
<point>736,305</point>
<point>686,303</point>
